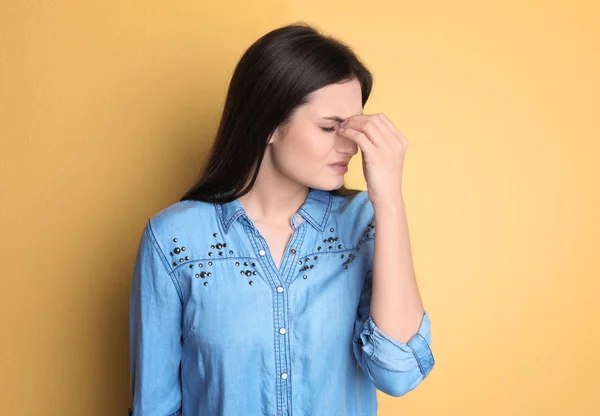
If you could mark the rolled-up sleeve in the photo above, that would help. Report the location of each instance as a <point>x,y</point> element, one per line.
<point>155,311</point>
<point>394,367</point>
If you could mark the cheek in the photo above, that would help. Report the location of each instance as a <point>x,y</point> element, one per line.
<point>313,149</point>
<point>304,152</point>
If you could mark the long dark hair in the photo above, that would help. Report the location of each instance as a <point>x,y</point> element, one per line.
<point>272,78</point>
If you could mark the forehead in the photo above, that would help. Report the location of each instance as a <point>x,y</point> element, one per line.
<point>341,99</point>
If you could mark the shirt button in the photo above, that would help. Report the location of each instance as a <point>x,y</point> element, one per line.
<point>282,330</point>
<point>284,376</point>
<point>293,251</point>
<point>262,252</point>
<point>280,289</point>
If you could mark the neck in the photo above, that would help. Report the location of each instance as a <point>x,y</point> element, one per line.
<point>274,198</point>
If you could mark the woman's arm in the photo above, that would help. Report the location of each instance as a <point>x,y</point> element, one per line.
<point>396,304</point>
<point>155,311</point>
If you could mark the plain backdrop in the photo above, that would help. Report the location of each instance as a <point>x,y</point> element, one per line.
<point>107,110</point>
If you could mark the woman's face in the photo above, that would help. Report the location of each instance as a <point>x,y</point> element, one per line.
<point>307,147</point>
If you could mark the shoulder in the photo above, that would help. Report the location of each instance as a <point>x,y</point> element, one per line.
<point>354,213</point>
<point>182,213</point>
<point>352,208</point>
<point>181,221</point>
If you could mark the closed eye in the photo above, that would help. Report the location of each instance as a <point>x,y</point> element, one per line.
<point>328,129</point>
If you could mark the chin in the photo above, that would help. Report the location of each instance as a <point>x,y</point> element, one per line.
<point>330,185</point>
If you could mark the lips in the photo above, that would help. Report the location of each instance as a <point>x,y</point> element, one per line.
<point>339,168</point>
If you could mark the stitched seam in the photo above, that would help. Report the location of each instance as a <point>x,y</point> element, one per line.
<point>268,276</point>
<point>213,259</point>
<point>303,231</point>
<point>221,219</point>
<point>313,221</point>
<point>327,211</point>
<point>417,357</point>
<point>320,225</point>
<point>156,246</point>
<point>233,218</point>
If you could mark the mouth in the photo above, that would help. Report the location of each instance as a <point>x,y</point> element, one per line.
<point>339,167</point>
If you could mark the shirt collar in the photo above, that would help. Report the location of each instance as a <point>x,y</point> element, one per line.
<point>315,210</point>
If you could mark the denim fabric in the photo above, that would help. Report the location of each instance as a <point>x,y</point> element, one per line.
<point>217,329</point>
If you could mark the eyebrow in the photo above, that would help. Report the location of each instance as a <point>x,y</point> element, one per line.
<point>334,118</point>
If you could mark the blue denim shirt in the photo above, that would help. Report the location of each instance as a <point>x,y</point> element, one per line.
<point>217,329</point>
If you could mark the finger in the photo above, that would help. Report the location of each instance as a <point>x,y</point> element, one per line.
<point>393,128</point>
<point>359,138</point>
<point>386,132</point>
<point>388,123</point>
<point>367,125</point>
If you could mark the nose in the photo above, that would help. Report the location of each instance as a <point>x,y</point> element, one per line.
<point>346,145</point>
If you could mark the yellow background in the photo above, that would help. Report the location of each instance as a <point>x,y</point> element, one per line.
<point>107,109</point>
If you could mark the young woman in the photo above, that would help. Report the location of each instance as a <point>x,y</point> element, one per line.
<point>270,288</point>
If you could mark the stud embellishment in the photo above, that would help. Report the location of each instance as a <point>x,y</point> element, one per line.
<point>351,258</point>
<point>306,265</point>
<point>219,247</point>
<point>247,269</point>
<point>367,234</point>
<point>178,250</point>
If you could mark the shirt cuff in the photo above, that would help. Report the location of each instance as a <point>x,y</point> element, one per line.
<point>394,355</point>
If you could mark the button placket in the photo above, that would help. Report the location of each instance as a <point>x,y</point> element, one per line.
<point>281,275</point>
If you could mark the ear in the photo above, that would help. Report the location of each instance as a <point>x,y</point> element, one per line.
<point>273,136</point>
